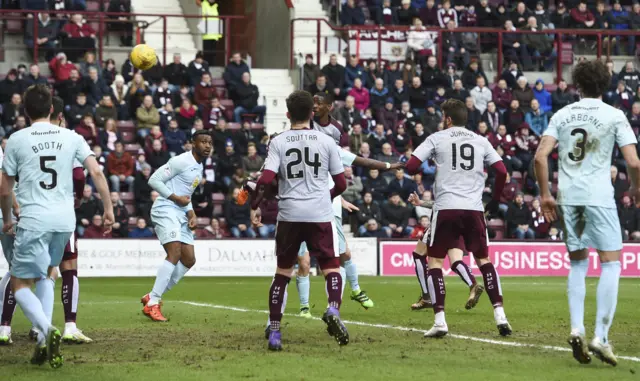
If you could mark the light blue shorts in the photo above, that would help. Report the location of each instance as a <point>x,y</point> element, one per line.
<point>591,227</point>
<point>7,246</point>
<point>171,225</point>
<point>35,251</point>
<point>342,241</point>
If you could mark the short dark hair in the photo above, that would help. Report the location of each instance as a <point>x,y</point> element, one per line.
<point>456,110</point>
<point>592,78</point>
<point>199,133</point>
<point>58,106</point>
<point>299,106</point>
<point>325,98</point>
<point>37,102</point>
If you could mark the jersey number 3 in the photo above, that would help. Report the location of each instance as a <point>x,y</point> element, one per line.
<point>466,154</point>
<point>315,164</point>
<point>51,171</point>
<point>579,151</point>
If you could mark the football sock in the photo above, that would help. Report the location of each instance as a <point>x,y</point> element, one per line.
<point>70,293</point>
<point>334,288</point>
<point>178,273</point>
<point>437,291</point>
<point>464,272</point>
<point>303,285</point>
<point>492,284</point>
<point>421,273</point>
<point>45,292</point>
<point>352,275</point>
<point>162,280</point>
<point>277,300</point>
<point>8,304</point>
<point>576,291</point>
<point>32,309</point>
<point>607,298</point>
<point>343,274</point>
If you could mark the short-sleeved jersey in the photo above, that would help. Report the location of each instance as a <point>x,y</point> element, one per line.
<point>180,176</point>
<point>333,129</point>
<point>586,132</point>
<point>42,156</point>
<point>460,157</point>
<point>347,159</point>
<point>304,161</point>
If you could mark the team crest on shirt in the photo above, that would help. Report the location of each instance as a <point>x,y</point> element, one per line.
<point>196,181</point>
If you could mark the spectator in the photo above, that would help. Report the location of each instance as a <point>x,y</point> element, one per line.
<point>561,18</point>
<point>512,48</point>
<point>506,141</point>
<point>417,96</point>
<point>87,129</point>
<point>446,14</point>
<point>407,117</point>
<point>562,97</point>
<point>269,209</point>
<point>213,230</point>
<point>452,44</point>
<point>142,191</point>
<point>231,75</point>
<point>375,185</point>
<point>354,186</point>
<point>539,46</point>
<point>391,74</point>
<point>492,117</point>
<point>120,225</point>
<point>481,95</point>
<point>120,91</point>
<point>124,25</point>
<point>400,140</point>
<point>581,17</point>
<point>95,230</point>
<point>154,134</point>
<point>311,73</point>
<point>511,188</point>
<point>601,16</point>
<point>519,219</point>
<point>352,71</point>
<point>629,219</point>
<point>335,76</point>
<point>486,15</point>
<point>431,120</point>
<point>351,14</point>
<point>420,229</point>
<point>105,111</point>
<point>450,76</point>
<point>523,94</point>
<point>402,185</point>
<point>176,73</point>
<point>348,115</point>
<point>175,138</point>
<point>368,210</point>
<point>619,20</point>
<point>120,167</point>
<point>201,200</point>
<point>471,74</point>
<point>153,76</point>
<point>514,117</point>
<point>431,76</point>
<point>630,76</point>
<point>141,230</point>
<point>186,116</point>
<point>320,86</point>
<point>622,97</point>
<point>541,225</point>
<point>526,145</point>
<point>204,90</point>
<point>387,156</point>
<point>387,14</point>
<point>89,207</point>
<point>520,15</point>
<point>147,116</point>
<point>211,113</point>
<point>79,37</point>
<point>88,63</point>
<point>373,230</point>
<point>157,157</point>
<point>395,217</point>
<point>377,139</point>
<point>96,86</point>
<point>47,34</point>
<point>221,135</point>
<point>634,117</point>
<point>11,85</point>
<point>543,97</point>
<point>406,13</point>
<point>252,163</point>
<point>109,135</point>
<point>419,41</point>
<point>511,75</point>
<point>356,138</point>
<point>78,110</point>
<point>399,93</point>
<point>34,77</point>
<point>138,90</point>
<point>537,119</point>
<point>247,135</point>
<point>238,218</point>
<point>245,97</point>
<point>360,95</point>
<point>60,67</point>
<point>458,92</point>
<point>473,115</point>
<point>11,111</point>
<point>502,96</point>
<point>229,161</point>
<point>163,95</point>
<point>378,96</point>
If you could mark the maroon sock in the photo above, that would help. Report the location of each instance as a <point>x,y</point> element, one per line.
<point>421,268</point>
<point>464,272</point>
<point>70,295</point>
<point>277,300</point>
<point>436,289</point>
<point>492,284</point>
<point>8,305</point>
<point>334,289</point>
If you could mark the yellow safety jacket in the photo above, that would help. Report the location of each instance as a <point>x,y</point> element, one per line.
<point>212,24</point>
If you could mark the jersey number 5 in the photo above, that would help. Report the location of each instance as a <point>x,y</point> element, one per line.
<point>579,151</point>
<point>307,160</point>
<point>466,154</point>
<point>54,174</point>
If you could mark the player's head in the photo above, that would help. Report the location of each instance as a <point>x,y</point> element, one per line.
<point>592,78</point>
<point>299,107</point>
<point>38,102</point>
<point>58,111</point>
<point>202,143</point>
<point>454,113</point>
<point>322,104</point>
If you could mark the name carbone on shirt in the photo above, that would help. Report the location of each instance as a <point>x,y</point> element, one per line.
<point>180,176</point>
<point>587,132</point>
<point>460,157</point>
<point>43,157</point>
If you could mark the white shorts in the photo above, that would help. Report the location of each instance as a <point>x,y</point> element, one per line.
<point>591,227</point>
<point>171,225</point>
<point>35,251</point>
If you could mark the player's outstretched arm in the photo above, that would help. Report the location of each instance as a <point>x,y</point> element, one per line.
<point>6,196</point>
<point>541,165</point>
<point>97,175</point>
<point>375,164</point>
<point>630,154</point>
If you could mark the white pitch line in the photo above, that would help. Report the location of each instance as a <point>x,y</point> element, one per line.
<point>407,329</point>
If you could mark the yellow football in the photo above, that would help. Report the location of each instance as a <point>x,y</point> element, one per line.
<point>143,57</point>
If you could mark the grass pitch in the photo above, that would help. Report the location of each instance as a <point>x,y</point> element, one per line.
<point>216,329</point>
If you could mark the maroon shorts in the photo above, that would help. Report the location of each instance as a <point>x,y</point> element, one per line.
<point>320,237</point>
<point>71,250</point>
<point>458,229</point>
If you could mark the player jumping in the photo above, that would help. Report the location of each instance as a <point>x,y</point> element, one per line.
<point>586,133</point>
<point>458,220</point>
<point>174,219</point>
<point>42,156</point>
<point>303,161</point>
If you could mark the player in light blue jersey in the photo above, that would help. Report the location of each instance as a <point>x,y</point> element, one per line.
<point>586,133</point>
<point>174,219</point>
<point>42,157</point>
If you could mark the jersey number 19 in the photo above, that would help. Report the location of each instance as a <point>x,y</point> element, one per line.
<point>466,154</point>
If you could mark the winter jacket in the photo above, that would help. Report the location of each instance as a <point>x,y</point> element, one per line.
<point>560,98</point>
<point>352,16</point>
<point>418,97</point>
<point>481,96</point>
<point>361,97</point>
<point>502,98</point>
<point>353,72</point>
<point>524,96</point>
<point>120,164</point>
<point>175,139</point>
<point>246,95</point>
<point>538,121</point>
<point>195,71</point>
<point>236,214</point>
<point>395,214</point>
<point>618,20</point>
<point>543,97</point>
<point>147,117</point>
<point>61,72</point>
<point>232,74</point>
<point>176,74</point>
<point>378,98</point>
<point>335,75</point>
<point>104,113</point>
<point>367,212</point>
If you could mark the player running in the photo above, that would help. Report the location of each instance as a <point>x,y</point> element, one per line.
<point>586,133</point>
<point>42,156</point>
<point>302,159</point>
<point>458,220</point>
<point>174,219</point>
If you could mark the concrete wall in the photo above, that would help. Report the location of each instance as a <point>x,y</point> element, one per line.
<point>189,7</point>
<point>273,44</point>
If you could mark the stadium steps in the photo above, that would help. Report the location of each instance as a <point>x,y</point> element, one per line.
<point>274,85</point>
<point>306,32</point>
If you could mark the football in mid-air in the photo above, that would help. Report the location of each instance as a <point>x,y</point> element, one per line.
<point>143,57</point>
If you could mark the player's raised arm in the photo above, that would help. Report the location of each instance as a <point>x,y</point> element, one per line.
<point>270,168</point>
<point>375,164</point>
<point>420,155</point>
<point>160,177</point>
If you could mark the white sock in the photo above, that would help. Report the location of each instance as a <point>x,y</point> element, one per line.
<point>162,280</point>
<point>439,317</point>
<point>70,327</point>
<point>607,298</point>
<point>178,273</point>
<point>352,275</point>
<point>498,314</point>
<point>576,291</point>
<point>343,274</point>
<point>44,291</point>
<point>32,309</point>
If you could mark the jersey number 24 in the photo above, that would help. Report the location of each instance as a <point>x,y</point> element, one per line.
<point>315,164</point>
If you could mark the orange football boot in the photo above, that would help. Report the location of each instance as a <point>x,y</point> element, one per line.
<point>145,299</point>
<point>154,313</point>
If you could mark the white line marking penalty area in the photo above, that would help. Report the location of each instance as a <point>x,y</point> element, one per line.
<point>407,329</point>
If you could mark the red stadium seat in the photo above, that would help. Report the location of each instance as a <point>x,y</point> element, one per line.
<point>131,209</point>
<point>126,125</point>
<point>496,223</point>
<point>217,210</point>
<point>128,137</point>
<point>257,126</point>
<point>528,199</point>
<point>217,198</point>
<point>132,148</point>
<point>14,23</point>
<point>203,221</point>
<point>133,221</point>
<point>127,197</point>
<point>218,82</point>
<point>227,103</point>
<point>93,6</point>
<point>233,126</point>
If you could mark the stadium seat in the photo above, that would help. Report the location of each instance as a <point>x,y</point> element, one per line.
<point>233,126</point>
<point>127,197</point>
<point>496,223</point>
<point>412,222</point>
<point>132,148</point>
<point>550,87</point>
<point>516,175</point>
<point>567,53</point>
<point>14,23</point>
<point>93,6</point>
<point>528,199</point>
<point>227,103</point>
<point>221,92</point>
<point>217,198</point>
<point>203,221</point>
<point>128,137</point>
<point>499,234</point>
<point>126,125</point>
<point>217,210</point>
<point>131,209</point>
<point>218,82</point>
